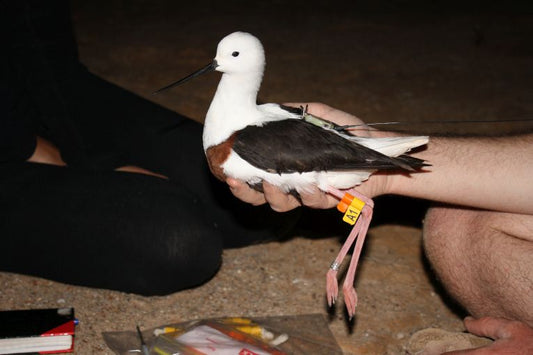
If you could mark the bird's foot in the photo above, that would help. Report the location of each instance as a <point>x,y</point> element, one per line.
<point>350,299</point>
<point>332,289</point>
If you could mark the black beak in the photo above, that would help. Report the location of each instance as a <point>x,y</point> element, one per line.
<point>208,68</point>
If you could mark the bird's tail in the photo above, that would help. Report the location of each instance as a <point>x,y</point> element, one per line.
<point>395,148</point>
<point>392,146</point>
<point>410,163</point>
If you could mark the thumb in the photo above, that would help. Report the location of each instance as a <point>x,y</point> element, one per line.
<point>490,327</point>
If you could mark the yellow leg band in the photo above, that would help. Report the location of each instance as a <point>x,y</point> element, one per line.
<point>351,207</point>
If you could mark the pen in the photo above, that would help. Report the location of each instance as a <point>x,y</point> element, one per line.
<point>144,348</point>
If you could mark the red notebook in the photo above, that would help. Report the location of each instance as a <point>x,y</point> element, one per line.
<point>42,331</point>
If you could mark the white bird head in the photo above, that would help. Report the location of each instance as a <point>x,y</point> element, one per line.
<point>241,60</point>
<point>238,54</point>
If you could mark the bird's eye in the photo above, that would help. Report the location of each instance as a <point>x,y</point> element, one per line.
<point>235,54</point>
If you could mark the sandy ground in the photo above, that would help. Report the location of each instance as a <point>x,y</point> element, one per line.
<point>398,64</point>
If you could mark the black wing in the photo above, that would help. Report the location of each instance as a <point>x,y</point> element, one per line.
<point>293,145</point>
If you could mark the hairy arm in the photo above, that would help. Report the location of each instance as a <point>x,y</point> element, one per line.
<point>492,173</point>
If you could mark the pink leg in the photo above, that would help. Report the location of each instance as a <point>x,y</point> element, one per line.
<point>350,296</point>
<point>360,228</point>
<point>332,289</point>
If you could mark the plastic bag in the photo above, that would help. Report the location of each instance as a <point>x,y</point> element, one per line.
<point>302,334</point>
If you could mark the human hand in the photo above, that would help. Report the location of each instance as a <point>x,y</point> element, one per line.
<point>510,337</point>
<point>280,201</point>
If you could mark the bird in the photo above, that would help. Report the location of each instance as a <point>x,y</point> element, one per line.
<point>293,149</point>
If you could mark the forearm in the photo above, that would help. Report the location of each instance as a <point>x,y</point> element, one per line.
<point>487,173</point>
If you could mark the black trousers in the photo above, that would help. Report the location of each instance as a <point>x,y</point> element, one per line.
<point>87,224</point>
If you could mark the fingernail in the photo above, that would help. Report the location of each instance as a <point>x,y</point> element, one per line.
<point>469,319</point>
